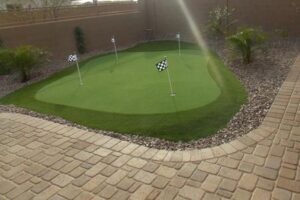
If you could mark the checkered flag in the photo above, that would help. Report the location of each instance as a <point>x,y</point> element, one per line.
<point>72,58</point>
<point>162,65</point>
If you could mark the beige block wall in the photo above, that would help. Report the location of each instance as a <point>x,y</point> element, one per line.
<point>58,37</point>
<point>164,17</point>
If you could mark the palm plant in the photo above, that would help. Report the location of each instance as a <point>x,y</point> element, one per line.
<point>245,41</point>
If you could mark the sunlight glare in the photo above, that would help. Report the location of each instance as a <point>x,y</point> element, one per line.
<point>192,24</point>
<point>197,35</point>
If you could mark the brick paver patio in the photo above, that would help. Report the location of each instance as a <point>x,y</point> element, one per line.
<point>44,160</point>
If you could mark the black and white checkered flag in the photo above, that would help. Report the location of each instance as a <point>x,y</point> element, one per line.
<point>72,58</point>
<point>162,65</point>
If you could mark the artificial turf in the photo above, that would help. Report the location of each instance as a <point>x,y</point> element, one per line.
<point>134,86</point>
<point>132,97</point>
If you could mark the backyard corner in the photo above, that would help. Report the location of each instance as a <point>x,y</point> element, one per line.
<point>149,100</point>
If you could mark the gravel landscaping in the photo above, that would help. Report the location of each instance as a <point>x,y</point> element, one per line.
<point>262,79</point>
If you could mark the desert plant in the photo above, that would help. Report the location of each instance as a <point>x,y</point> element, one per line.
<point>80,40</point>
<point>27,58</point>
<point>220,21</point>
<point>52,5</point>
<point>6,57</point>
<point>245,41</point>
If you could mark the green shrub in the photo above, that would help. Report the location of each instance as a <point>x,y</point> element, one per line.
<point>27,58</point>
<point>245,41</point>
<point>6,57</point>
<point>220,21</point>
<point>80,40</point>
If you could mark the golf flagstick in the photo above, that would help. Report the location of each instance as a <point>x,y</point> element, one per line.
<point>178,36</point>
<point>171,88</point>
<point>170,81</point>
<point>74,58</point>
<point>79,74</point>
<point>113,40</point>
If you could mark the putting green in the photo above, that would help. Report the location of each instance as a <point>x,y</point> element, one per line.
<point>134,86</point>
<point>132,97</point>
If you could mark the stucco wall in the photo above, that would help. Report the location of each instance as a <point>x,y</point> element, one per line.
<point>163,17</point>
<point>57,36</point>
<point>167,16</point>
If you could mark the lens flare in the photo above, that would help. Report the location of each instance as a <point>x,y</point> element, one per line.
<point>198,37</point>
<point>192,24</point>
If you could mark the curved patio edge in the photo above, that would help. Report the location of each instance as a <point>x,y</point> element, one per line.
<point>112,144</point>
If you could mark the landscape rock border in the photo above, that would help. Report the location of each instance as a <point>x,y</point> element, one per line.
<point>262,79</point>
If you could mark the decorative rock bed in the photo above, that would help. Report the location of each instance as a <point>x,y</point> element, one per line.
<point>262,79</point>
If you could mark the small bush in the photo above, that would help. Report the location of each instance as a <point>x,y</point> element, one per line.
<point>220,21</point>
<point>245,41</point>
<point>6,57</point>
<point>80,40</point>
<point>27,58</point>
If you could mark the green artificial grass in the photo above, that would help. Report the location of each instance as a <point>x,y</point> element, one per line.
<point>132,97</point>
<point>134,86</point>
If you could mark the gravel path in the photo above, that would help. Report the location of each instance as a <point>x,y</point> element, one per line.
<point>262,79</point>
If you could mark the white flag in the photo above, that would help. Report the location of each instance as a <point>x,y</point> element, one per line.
<point>113,40</point>
<point>72,58</point>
